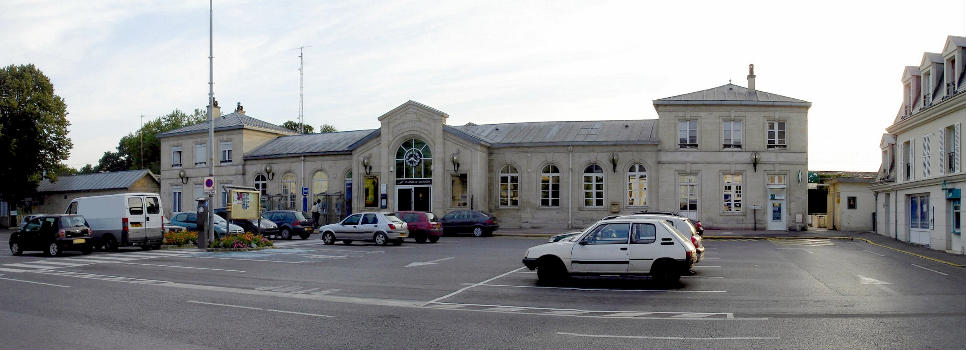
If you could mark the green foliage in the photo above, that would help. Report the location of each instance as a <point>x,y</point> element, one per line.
<point>86,169</point>
<point>294,126</point>
<point>129,151</point>
<point>33,130</point>
<point>327,128</point>
<point>246,240</point>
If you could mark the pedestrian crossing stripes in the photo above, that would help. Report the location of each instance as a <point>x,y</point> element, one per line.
<point>68,262</point>
<point>582,313</point>
<point>818,242</point>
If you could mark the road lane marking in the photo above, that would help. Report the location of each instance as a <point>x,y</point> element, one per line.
<point>871,252</point>
<point>706,266</point>
<point>259,260</point>
<point>259,309</point>
<point>605,314</point>
<point>704,277</point>
<point>29,266</point>
<point>472,285</point>
<point>14,270</point>
<point>180,267</point>
<point>928,269</point>
<point>431,262</point>
<point>25,281</point>
<point>867,280</point>
<point>600,289</point>
<point>809,251</point>
<point>663,338</point>
<point>59,263</point>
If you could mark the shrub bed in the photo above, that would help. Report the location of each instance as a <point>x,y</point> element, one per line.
<point>181,238</point>
<point>239,241</point>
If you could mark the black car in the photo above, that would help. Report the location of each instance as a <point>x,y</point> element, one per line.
<point>474,221</point>
<point>53,234</point>
<point>290,222</point>
<point>268,227</point>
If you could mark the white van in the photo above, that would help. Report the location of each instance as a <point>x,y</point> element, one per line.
<point>125,219</point>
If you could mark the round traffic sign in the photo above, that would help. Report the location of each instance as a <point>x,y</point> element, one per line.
<point>209,183</point>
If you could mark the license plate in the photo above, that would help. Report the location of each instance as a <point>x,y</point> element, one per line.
<point>79,241</point>
<point>309,230</point>
<point>135,224</point>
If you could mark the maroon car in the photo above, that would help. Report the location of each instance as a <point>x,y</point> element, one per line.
<point>422,225</point>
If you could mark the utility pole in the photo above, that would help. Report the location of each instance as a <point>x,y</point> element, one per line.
<point>301,108</point>
<point>141,147</point>
<point>209,228</point>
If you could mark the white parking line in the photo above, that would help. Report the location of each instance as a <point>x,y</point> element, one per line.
<point>180,267</point>
<point>600,289</point>
<point>871,252</point>
<point>663,338</point>
<point>29,266</point>
<point>258,308</point>
<point>472,285</point>
<point>259,260</point>
<point>928,269</point>
<point>46,284</point>
<point>59,263</point>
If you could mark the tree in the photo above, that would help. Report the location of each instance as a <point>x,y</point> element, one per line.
<point>130,147</point>
<point>294,126</point>
<point>87,169</point>
<point>33,131</point>
<point>327,128</point>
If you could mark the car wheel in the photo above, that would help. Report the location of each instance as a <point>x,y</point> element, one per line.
<point>304,236</point>
<point>328,238</point>
<point>110,244</point>
<point>664,273</point>
<point>286,234</point>
<point>380,238</point>
<point>15,248</point>
<point>478,231</point>
<point>346,242</point>
<point>52,249</point>
<point>433,239</point>
<point>550,270</point>
<point>420,237</point>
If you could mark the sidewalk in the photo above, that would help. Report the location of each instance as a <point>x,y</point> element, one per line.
<point>870,237</point>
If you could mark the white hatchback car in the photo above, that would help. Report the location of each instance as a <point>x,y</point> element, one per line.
<point>620,246</point>
<point>380,228</point>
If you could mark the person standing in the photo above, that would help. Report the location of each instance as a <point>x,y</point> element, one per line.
<point>315,213</point>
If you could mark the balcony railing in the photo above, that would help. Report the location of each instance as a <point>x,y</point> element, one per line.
<point>950,162</point>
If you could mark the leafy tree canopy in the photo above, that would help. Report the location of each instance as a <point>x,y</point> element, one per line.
<point>327,128</point>
<point>294,126</point>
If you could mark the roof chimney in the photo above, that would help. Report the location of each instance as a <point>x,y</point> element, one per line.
<point>239,109</point>
<point>751,77</point>
<point>216,111</point>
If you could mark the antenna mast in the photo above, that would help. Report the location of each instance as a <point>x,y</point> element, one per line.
<point>301,98</point>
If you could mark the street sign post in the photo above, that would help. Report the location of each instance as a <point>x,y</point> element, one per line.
<point>209,185</point>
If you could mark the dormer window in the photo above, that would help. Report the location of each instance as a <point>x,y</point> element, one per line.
<point>927,88</point>
<point>950,75</point>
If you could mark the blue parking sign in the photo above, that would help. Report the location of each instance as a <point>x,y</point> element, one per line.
<point>305,191</point>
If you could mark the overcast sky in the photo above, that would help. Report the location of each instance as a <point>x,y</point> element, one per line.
<point>478,61</point>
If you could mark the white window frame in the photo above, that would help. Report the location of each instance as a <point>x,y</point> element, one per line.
<point>772,131</point>
<point>225,152</point>
<point>920,219</point>
<point>550,177</point>
<point>688,190</point>
<point>509,187</point>
<point>176,150</point>
<point>731,188</point>
<point>177,198</point>
<point>594,197</point>
<point>732,133</point>
<point>637,185</point>
<point>288,190</point>
<point>688,126</point>
<point>201,154</point>
<point>261,183</point>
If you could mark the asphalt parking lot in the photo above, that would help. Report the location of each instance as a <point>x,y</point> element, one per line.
<point>474,292</point>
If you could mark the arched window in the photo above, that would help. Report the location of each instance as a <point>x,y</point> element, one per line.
<point>261,184</point>
<point>414,160</point>
<point>288,191</point>
<point>637,186</point>
<point>320,182</point>
<point>509,186</point>
<point>550,186</point>
<point>593,186</point>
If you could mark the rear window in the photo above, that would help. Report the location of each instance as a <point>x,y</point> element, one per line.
<point>72,221</point>
<point>299,216</point>
<point>154,207</point>
<point>431,217</point>
<point>135,206</point>
<point>393,219</point>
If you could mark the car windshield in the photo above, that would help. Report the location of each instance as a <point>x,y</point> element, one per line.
<point>72,221</point>
<point>299,216</point>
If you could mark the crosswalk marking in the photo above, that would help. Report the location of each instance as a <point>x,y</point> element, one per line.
<point>110,258</point>
<point>29,266</point>
<point>46,262</point>
<point>583,313</point>
<point>818,242</point>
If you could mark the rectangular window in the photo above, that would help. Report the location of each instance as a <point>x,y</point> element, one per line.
<point>776,134</point>
<point>731,193</point>
<point>851,202</point>
<point>906,161</point>
<point>731,132</point>
<point>951,138</point>
<point>919,211</point>
<point>776,179</point>
<point>176,198</point>
<point>957,214</point>
<point>176,157</point>
<point>688,195</point>
<point>593,190</point>
<point>459,191</point>
<point>688,133</point>
<point>550,189</point>
<point>201,154</point>
<point>225,152</point>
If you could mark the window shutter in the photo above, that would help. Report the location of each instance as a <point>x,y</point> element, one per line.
<point>942,151</point>
<point>925,156</point>
<point>957,147</point>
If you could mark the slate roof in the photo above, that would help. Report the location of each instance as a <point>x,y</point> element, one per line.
<point>848,176</point>
<point>342,142</point>
<point>231,121</point>
<point>560,133</point>
<point>117,180</point>
<point>731,94</point>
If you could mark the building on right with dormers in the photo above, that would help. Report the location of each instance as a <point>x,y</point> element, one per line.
<point>918,189</point>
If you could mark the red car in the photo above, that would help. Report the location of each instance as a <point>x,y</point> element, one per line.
<point>422,225</point>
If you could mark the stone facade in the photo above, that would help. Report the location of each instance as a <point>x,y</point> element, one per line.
<point>530,175</point>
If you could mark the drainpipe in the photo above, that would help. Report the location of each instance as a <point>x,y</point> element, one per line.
<point>570,189</point>
<point>302,160</point>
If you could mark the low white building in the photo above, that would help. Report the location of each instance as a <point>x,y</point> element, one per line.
<point>921,180</point>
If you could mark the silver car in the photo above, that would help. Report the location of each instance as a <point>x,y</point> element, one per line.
<point>380,228</point>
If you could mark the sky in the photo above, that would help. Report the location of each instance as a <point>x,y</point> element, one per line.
<point>478,61</point>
